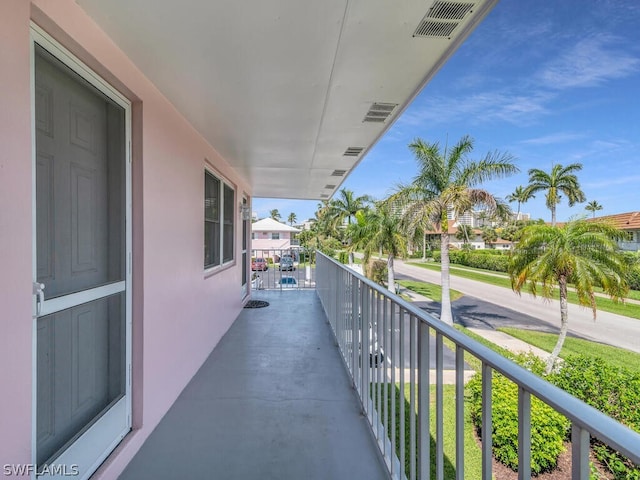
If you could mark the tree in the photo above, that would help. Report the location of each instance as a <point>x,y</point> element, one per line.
<point>292,218</point>
<point>593,206</point>
<point>464,233</point>
<point>560,180</point>
<point>378,229</point>
<point>585,254</point>
<point>489,234</point>
<point>346,206</point>
<point>520,195</point>
<point>275,214</point>
<point>447,182</point>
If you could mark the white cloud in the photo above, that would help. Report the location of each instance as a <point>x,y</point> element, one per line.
<point>589,63</point>
<point>554,138</point>
<point>479,108</point>
<point>613,181</point>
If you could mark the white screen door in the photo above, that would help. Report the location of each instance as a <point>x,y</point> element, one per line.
<point>81,251</point>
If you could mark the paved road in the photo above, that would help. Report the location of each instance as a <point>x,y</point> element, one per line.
<point>498,306</point>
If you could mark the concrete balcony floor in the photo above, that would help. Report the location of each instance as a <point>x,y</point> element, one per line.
<point>272,401</point>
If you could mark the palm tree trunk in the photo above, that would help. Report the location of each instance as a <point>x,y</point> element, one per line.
<point>445,313</point>
<point>391,279</point>
<point>424,247</point>
<point>564,324</point>
<point>553,216</point>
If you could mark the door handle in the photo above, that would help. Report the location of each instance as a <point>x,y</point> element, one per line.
<point>38,291</point>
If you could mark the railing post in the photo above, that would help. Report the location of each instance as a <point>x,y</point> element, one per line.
<point>459,413</point>
<point>424,437</point>
<point>579,453</point>
<point>524,434</point>
<point>439,409</point>
<point>487,421</point>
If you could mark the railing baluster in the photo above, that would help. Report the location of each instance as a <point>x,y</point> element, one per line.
<point>524,434</point>
<point>579,453</point>
<point>424,392</point>
<point>412,395</point>
<point>487,426</point>
<point>378,364</point>
<point>365,351</point>
<point>401,362</point>
<point>385,348</point>
<point>439,409</point>
<point>459,413</point>
<point>392,387</point>
<point>354,330</point>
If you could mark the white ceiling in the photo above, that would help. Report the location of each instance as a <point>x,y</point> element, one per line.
<point>280,88</point>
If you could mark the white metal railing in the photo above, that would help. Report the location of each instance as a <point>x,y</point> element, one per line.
<point>367,318</point>
<point>282,269</point>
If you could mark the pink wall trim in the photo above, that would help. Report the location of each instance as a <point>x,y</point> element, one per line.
<point>179,314</point>
<point>15,234</point>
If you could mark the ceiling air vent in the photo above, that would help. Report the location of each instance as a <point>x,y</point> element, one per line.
<point>338,173</point>
<point>379,112</point>
<point>353,151</point>
<point>324,195</point>
<point>330,187</point>
<point>442,19</point>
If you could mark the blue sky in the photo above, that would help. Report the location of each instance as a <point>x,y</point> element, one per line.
<point>549,81</point>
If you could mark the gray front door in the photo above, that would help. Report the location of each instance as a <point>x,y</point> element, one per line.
<point>81,252</point>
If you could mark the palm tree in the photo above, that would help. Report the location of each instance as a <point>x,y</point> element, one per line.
<point>520,195</point>
<point>464,232</point>
<point>593,206</point>
<point>560,180</point>
<point>346,206</point>
<point>275,214</point>
<point>584,253</point>
<point>378,229</point>
<point>292,218</point>
<point>447,182</point>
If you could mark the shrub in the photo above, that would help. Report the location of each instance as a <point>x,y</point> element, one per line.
<point>549,428</point>
<point>343,257</point>
<point>496,263</point>
<point>612,390</point>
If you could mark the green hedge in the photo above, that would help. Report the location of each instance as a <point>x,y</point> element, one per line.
<point>549,429</point>
<point>612,390</point>
<point>496,263</point>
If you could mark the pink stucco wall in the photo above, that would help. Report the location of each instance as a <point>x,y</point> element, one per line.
<point>179,312</point>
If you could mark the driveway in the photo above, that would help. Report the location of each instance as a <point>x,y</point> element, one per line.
<point>497,306</point>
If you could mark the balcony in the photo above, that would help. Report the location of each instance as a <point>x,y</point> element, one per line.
<point>288,393</point>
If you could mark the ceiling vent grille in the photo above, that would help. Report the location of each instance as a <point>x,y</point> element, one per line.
<point>324,195</point>
<point>330,187</point>
<point>442,19</point>
<point>379,112</point>
<point>353,151</point>
<point>338,173</point>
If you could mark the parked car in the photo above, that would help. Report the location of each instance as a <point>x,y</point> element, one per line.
<point>259,264</point>
<point>287,281</point>
<point>286,263</point>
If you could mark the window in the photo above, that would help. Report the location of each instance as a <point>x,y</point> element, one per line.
<point>218,221</point>
<point>253,236</point>
<point>628,236</point>
<point>275,236</point>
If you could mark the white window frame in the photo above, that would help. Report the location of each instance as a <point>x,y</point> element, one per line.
<point>275,236</point>
<point>223,182</point>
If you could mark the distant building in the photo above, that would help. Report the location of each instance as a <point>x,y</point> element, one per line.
<point>269,234</point>
<point>628,222</point>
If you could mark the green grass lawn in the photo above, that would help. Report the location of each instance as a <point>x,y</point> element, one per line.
<point>429,290</point>
<point>502,280</point>
<point>573,346</point>
<point>472,451</point>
